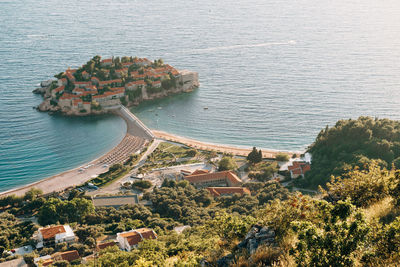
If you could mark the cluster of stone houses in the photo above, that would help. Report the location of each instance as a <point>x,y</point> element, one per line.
<point>50,236</point>
<point>73,100</point>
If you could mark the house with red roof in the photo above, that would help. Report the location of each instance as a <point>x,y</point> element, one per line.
<point>224,178</point>
<point>156,84</point>
<point>299,168</point>
<point>135,84</point>
<point>130,239</point>
<point>110,98</point>
<point>110,83</point>
<point>65,101</point>
<point>85,74</point>
<point>95,80</point>
<point>52,235</point>
<point>106,62</point>
<point>127,64</point>
<point>70,76</point>
<point>142,62</point>
<point>66,256</point>
<point>62,81</point>
<point>106,245</point>
<point>228,191</point>
<point>58,90</point>
<point>82,84</point>
<point>121,72</point>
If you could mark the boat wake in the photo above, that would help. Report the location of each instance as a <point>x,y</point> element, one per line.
<point>231,47</point>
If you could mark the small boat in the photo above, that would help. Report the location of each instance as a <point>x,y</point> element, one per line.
<point>205,108</point>
<point>159,108</point>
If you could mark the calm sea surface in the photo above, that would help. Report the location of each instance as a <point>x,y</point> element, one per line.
<point>272,73</point>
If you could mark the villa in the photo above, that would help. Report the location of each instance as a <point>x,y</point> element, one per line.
<point>129,240</point>
<point>299,168</point>
<point>48,260</point>
<point>53,235</point>
<point>224,178</point>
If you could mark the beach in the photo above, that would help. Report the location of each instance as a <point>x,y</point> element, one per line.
<point>136,138</point>
<point>238,151</point>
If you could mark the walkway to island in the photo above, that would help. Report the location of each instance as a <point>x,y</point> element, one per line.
<point>137,136</point>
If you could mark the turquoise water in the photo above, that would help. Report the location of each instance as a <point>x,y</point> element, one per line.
<point>272,73</point>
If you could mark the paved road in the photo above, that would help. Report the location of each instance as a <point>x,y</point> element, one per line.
<point>115,186</point>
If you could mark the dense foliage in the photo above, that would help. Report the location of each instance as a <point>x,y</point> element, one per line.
<point>353,143</point>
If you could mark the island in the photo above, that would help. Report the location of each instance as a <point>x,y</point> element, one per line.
<point>102,84</point>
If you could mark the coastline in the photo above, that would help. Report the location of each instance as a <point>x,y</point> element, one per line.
<point>58,181</point>
<point>235,150</point>
<point>74,177</point>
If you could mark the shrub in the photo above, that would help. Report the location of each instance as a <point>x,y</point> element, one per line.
<point>227,163</point>
<point>282,157</point>
<point>142,184</point>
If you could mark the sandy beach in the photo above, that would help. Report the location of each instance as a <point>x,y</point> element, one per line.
<point>134,140</point>
<point>239,151</point>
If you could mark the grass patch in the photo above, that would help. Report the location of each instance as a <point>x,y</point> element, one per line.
<point>168,152</point>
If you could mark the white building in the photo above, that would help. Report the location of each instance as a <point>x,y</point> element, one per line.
<point>54,235</point>
<point>129,240</point>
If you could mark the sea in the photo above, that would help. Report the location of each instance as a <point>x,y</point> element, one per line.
<point>273,73</point>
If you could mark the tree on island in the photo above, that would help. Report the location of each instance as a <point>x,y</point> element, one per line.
<point>254,156</point>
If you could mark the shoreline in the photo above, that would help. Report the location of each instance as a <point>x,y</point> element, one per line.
<point>74,177</point>
<point>236,150</point>
<point>92,170</point>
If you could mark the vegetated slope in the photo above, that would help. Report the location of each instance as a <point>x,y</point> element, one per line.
<point>353,143</point>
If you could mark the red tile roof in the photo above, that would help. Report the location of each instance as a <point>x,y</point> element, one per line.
<point>139,235</point>
<point>199,172</point>
<point>51,232</point>
<point>229,177</point>
<point>106,245</point>
<point>299,167</point>
<point>217,191</point>
<point>69,255</point>
<point>59,89</point>
<point>67,96</point>
<point>107,60</point>
<point>110,81</point>
<point>83,83</point>
<point>127,64</point>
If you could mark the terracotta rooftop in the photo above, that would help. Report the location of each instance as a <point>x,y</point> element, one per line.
<point>107,60</point>
<point>68,255</point>
<point>199,172</point>
<point>59,89</point>
<point>110,81</point>
<point>84,83</point>
<point>217,191</point>
<point>134,237</point>
<point>106,245</point>
<point>51,232</point>
<point>227,175</point>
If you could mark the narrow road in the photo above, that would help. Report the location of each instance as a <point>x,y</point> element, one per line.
<point>115,186</point>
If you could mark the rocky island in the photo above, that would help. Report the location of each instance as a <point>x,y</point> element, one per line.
<point>101,84</point>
